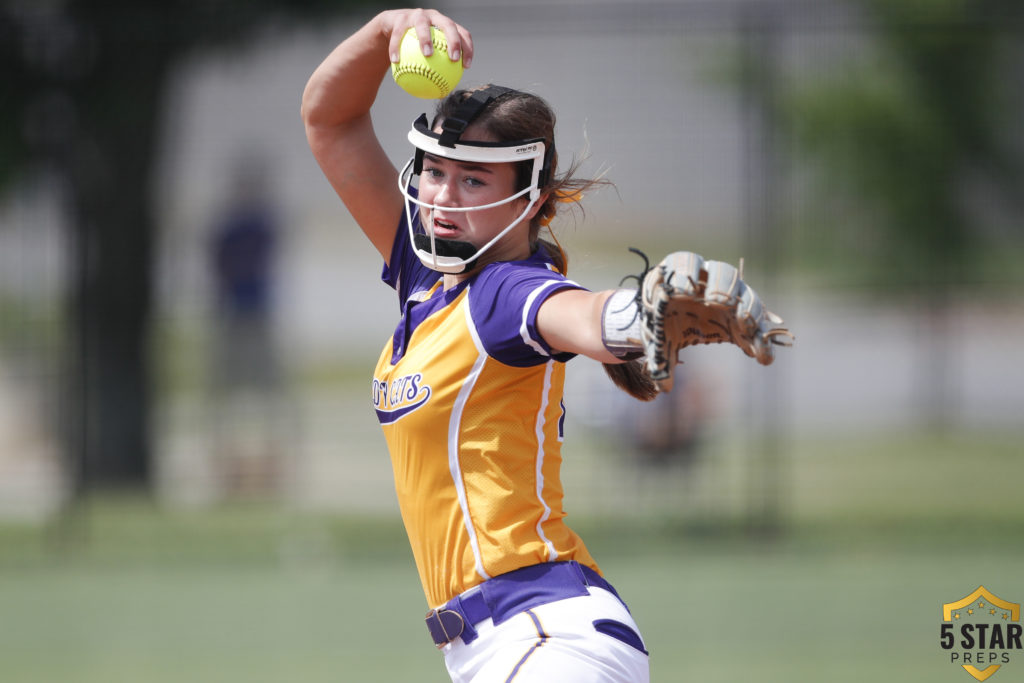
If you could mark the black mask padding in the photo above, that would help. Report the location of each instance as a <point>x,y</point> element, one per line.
<point>545,171</point>
<point>455,125</point>
<point>461,250</point>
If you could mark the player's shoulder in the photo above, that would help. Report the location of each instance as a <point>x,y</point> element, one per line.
<point>516,287</point>
<point>538,266</point>
<point>503,302</point>
<point>512,283</point>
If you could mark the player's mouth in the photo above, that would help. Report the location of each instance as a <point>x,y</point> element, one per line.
<point>445,229</point>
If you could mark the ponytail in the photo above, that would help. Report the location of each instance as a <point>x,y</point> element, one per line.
<point>633,378</point>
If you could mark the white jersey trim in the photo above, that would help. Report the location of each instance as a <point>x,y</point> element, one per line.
<point>524,328</point>
<point>552,553</point>
<point>454,424</point>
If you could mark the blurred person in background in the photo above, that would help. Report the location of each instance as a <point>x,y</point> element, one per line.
<point>246,373</point>
<point>666,431</point>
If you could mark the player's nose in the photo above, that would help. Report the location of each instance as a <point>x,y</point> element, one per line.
<point>447,193</point>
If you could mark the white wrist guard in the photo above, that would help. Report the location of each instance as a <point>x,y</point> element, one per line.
<point>620,325</point>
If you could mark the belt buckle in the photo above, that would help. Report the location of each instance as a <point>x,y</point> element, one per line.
<point>448,623</point>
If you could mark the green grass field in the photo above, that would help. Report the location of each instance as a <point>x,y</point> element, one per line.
<point>877,534</point>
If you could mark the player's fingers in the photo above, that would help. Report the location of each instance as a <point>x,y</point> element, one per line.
<point>394,47</point>
<point>467,45</point>
<point>457,37</point>
<point>422,26</point>
<point>397,23</point>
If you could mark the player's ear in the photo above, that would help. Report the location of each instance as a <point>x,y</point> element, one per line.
<point>537,206</point>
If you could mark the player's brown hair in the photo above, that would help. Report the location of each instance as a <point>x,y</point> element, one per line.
<point>518,115</point>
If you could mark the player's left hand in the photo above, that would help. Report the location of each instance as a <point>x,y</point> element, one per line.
<point>685,300</point>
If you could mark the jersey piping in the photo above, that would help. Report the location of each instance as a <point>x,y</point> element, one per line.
<point>552,553</point>
<point>453,444</point>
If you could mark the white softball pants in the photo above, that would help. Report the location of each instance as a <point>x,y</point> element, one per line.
<point>557,642</point>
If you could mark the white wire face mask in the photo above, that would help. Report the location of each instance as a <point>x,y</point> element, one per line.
<point>454,256</point>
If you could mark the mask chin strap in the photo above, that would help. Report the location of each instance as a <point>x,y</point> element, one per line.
<point>438,247</point>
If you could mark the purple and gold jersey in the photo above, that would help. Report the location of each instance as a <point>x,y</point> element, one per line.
<point>470,400</point>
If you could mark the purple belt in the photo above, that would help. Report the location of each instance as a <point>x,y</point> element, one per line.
<point>509,594</point>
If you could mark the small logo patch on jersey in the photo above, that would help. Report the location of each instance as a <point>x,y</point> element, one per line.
<point>395,399</point>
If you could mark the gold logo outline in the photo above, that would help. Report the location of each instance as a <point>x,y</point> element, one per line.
<point>981,592</point>
<point>985,594</point>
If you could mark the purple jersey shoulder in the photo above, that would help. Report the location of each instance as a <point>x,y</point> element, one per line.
<point>504,299</point>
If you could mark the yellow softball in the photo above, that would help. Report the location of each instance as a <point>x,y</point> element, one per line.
<point>430,77</point>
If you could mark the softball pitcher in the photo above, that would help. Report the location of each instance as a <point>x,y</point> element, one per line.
<point>468,389</point>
